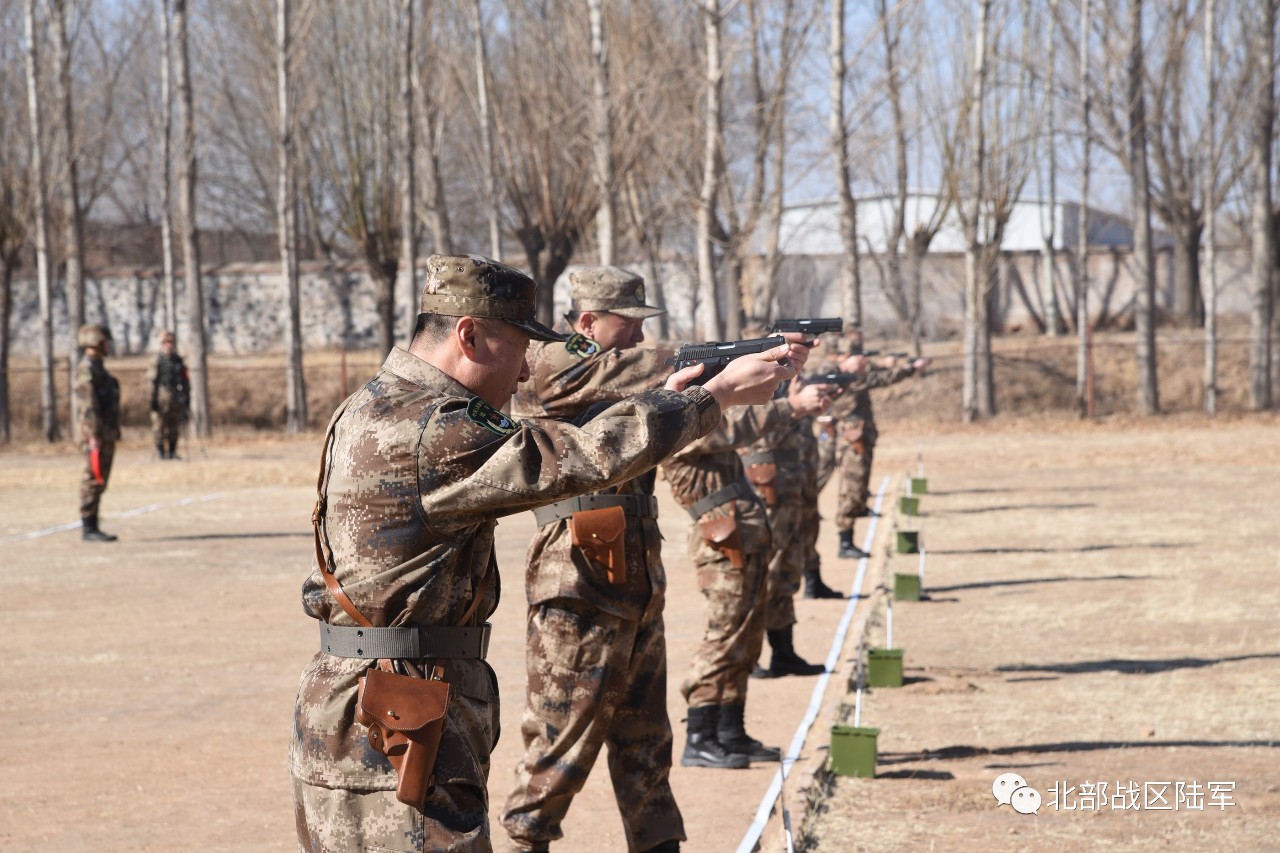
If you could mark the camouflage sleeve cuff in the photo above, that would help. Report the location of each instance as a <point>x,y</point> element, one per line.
<point>708,409</point>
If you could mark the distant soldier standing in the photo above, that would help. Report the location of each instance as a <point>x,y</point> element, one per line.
<point>857,436</point>
<point>170,397</point>
<point>98,401</point>
<point>596,651</point>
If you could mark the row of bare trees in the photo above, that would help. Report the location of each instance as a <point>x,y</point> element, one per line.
<point>643,133</point>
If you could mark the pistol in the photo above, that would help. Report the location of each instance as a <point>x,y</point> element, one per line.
<point>810,326</point>
<point>715,355</point>
<point>834,378</point>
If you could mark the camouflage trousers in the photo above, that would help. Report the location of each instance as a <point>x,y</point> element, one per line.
<point>734,633</point>
<point>810,522</point>
<point>594,679</point>
<point>166,428</point>
<point>855,482</point>
<point>90,489</point>
<point>456,819</point>
<point>786,563</point>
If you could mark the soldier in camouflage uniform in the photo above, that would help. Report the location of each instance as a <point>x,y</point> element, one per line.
<point>418,465</point>
<point>98,402</point>
<point>596,651</point>
<point>170,397</point>
<point>729,544</point>
<point>857,436</point>
<point>774,464</point>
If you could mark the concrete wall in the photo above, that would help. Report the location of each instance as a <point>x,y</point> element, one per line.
<point>245,303</point>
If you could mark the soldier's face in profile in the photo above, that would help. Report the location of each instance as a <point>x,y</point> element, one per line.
<point>500,351</point>
<point>613,331</point>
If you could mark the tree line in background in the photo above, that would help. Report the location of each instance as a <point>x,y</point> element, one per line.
<point>638,132</point>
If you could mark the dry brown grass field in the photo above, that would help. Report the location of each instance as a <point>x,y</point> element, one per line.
<point>1100,606</point>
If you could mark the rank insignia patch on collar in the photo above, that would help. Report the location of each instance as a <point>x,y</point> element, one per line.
<point>490,418</point>
<point>580,345</point>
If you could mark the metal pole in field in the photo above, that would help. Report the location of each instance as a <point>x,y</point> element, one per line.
<point>888,629</point>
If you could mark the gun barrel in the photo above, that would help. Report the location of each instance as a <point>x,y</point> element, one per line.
<point>810,325</point>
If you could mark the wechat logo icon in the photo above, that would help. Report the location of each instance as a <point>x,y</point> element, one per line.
<point>1012,790</point>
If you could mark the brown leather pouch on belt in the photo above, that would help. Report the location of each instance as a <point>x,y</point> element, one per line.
<point>405,717</point>
<point>722,534</point>
<point>601,535</point>
<point>762,476</point>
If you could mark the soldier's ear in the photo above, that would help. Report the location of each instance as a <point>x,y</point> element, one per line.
<point>465,333</point>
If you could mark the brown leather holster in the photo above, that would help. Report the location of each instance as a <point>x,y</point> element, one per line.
<point>601,535</point>
<point>722,534</point>
<point>762,476</point>
<point>405,717</point>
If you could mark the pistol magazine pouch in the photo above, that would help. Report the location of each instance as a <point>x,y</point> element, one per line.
<point>405,717</point>
<point>722,535</point>
<point>762,475</point>
<point>601,535</point>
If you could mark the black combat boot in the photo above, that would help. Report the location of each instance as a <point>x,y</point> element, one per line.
<point>90,533</point>
<point>671,845</point>
<point>160,449</point>
<point>173,448</point>
<point>815,588</point>
<point>849,551</point>
<point>703,749</point>
<point>733,735</point>
<point>785,661</point>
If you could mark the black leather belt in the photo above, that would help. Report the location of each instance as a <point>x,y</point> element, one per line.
<point>735,491</point>
<point>406,643</point>
<point>638,506</point>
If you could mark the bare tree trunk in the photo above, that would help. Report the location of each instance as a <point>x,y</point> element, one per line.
<point>437,211</point>
<point>197,355</point>
<point>48,404</point>
<point>486,135</point>
<point>73,219</point>
<point>975,283</point>
<point>6,309</point>
<point>166,157</point>
<point>1209,280</point>
<point>1144,264</point>
<point>1082,220</point>
<point>408,190</point>
<point>850,280</point>
<point>1052,321</point>
<point>709,303</point>
<point>1262,307</point>
<point>602,133</point>
<point>287,219</point>
<point>772,260</point>
<point>907,309</point>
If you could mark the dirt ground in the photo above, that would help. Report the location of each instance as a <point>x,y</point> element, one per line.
<point>1101,607</point>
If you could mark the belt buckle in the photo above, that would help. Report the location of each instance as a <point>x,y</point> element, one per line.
<point>485,632</point>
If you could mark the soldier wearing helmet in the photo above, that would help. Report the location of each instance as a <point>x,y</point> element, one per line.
<point>98,402</point>
<point>170,396</point>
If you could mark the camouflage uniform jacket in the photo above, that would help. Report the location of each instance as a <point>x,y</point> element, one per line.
<point>855,403</point>
<point>98,401</point>
<point>170,385</point>
<point>566,380</point>
<point>712,462</point>
<point>417,477</point>
<point>792,442</point>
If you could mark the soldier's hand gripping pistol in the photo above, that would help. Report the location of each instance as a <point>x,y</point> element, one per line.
<point>714,355</point>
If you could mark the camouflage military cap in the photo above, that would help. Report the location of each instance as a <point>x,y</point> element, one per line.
<point>472,286</point>
<point>611,289</point>
<point>92,335</point>
<point>168,337</point>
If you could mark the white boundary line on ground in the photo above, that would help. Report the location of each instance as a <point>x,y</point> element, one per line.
<point>752,838</point>
<point>74,525</point>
